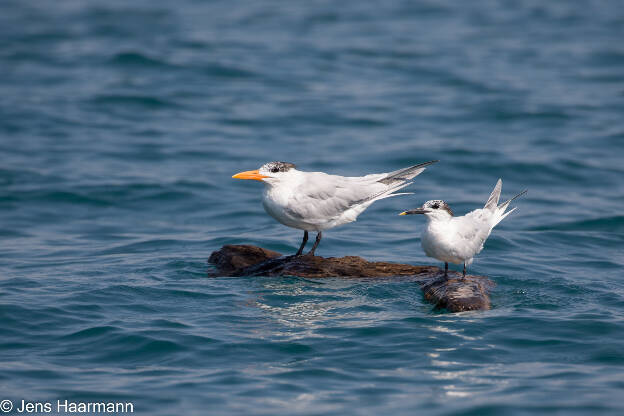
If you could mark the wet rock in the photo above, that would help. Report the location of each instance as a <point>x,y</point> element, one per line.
<point>231,260</point>
<point>456,294</point>
<point>453,294</point>
<point>244,260</point>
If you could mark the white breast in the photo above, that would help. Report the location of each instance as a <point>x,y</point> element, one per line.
<point>275,202</point>
<point>437,241</point>
<point>457,239</point>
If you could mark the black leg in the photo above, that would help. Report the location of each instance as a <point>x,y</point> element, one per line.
<point>303,243</point>
<point>445,269</point>
<point>464,276</point>
<point>316,243</point>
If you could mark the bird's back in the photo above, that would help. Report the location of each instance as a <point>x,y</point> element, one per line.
<point>318,201</point>
<point>473,229</point>
<point>330,200</point>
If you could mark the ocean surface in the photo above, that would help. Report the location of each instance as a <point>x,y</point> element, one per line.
<point>121,124</point>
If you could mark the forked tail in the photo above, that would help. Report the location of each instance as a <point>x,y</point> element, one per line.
<point>499,210</point>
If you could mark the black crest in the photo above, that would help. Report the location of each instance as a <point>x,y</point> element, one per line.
<point>438,204</point>
<point>275,167</point>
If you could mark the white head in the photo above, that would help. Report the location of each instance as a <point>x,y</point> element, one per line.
<point>270,173</point>
<point>433,210</point>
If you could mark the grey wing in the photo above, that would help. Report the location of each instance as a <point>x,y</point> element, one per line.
<point>492,201</point>
<point>473,230</point>
<point>327,197</point>
<point>405,174</point>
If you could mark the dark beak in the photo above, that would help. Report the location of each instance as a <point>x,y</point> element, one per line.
<point>414,211</point>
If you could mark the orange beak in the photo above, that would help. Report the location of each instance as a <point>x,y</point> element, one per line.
<point>250,174</point>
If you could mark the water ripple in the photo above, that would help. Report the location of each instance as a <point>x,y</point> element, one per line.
<point>122,124</point>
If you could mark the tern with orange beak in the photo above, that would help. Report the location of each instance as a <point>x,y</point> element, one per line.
<point>317,201</point>
<point>458,239</point>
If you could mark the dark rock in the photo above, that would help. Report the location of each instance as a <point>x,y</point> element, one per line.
<point>456,294</point>
<point>453,294</point>
<point>231,259</point>
<point>247,260</point>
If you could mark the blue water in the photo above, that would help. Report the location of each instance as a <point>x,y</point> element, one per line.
<point>121,124</point>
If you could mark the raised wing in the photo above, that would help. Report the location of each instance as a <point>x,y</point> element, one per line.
<point>492,201</point>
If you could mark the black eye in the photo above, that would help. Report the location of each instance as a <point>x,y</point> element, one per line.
<point>435,206</point>
<point>275,170</point>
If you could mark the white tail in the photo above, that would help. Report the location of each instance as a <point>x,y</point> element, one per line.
<point>492,202</point>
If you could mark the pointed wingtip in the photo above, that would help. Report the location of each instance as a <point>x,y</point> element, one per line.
<point>424,164</point>
<point>492,201</point>
<point>519,195</point>
<point>505,204</point>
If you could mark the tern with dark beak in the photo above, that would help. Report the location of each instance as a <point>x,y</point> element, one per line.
<point>458,239</point>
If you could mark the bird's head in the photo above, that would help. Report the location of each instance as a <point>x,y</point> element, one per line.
<point>269,173</point>
<point>434,210</point>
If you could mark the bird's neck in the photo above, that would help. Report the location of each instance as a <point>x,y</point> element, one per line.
<point>433,221</point>
<point>286,182</point>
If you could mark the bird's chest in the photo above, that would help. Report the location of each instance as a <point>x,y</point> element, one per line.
<point>276,203</point>
<point>275,200</point>
<point>437,241</point>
